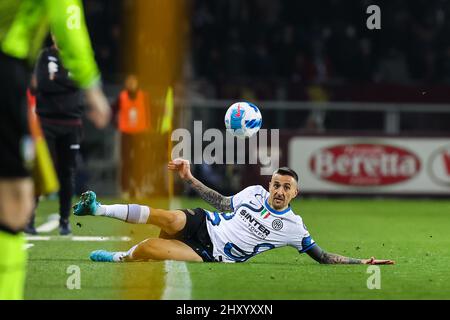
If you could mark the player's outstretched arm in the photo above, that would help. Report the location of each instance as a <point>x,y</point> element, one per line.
<point>214,198</point>
<point>324,257</point>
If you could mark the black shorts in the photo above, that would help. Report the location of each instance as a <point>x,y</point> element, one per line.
<point>63,143</point>
<point>15,142</point>
<point>195,234</point>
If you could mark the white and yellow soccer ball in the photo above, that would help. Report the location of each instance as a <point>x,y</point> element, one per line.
<point>243,119</point>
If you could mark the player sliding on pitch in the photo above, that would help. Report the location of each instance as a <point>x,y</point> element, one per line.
<point>253,221</point>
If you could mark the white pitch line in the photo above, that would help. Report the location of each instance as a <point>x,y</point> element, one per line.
<point>38,238</point>
<point>90,238</point>
<point>76,238</point>
<point>28,246</point>
<point>51,224</point>
<point>178,281</point>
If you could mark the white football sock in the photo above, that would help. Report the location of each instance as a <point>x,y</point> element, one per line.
<point>132,213</point>
<point>130,252</point>
<point>119,256</point>
<point>122,256</point>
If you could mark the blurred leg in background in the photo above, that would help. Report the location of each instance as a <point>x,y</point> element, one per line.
<point>16,186</point>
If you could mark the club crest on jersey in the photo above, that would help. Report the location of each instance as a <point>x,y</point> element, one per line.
<point>277,224</point>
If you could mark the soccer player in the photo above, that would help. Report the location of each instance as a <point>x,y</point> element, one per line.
<point>253,221</point>
<point>23,27</point>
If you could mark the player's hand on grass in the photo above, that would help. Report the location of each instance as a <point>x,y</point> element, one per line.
<point>375,261</point>
<point>99,110</point>
<point>182,166</point>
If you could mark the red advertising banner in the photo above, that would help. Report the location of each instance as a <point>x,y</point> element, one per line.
<point>376,165</point>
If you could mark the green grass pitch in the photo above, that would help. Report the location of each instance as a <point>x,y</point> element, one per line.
<point>414,233</point>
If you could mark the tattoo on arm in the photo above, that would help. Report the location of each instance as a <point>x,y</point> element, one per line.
<point>321,256</point>
<point>211,196</point>
<point>331,258</point>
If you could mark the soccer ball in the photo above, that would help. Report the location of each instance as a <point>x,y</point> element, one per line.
<point>243,119</point>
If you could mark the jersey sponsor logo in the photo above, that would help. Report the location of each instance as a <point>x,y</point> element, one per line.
<point>277,224</point>
<point>254,225</point>
<point>365,165</point>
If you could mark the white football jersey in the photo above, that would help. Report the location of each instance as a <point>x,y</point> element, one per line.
<point>254,227</point>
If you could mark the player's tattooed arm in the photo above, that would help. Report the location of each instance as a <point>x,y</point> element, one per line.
<point>330,258</point>
<point>324,257</point>
<point>211,196</point>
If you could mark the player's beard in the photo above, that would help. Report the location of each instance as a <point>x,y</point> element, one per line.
<point>278,203</point>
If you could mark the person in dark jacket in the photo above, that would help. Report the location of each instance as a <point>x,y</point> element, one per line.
<point>59,108</point>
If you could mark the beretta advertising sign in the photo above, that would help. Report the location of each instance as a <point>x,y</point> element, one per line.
<point>371,165</point>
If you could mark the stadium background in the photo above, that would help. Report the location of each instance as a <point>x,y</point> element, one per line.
<point>315,71</point>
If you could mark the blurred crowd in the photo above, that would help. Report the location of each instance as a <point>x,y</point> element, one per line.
<point>106,28</point>
<point>265,49</point>
<point>269,46</point>
<point>296,50</point>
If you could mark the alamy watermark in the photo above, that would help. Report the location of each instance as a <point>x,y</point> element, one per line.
<point>73,281</point>
<point>215,146</point>
<point>374,280</point>
<point>74,17</point>
<point>374,20</point>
